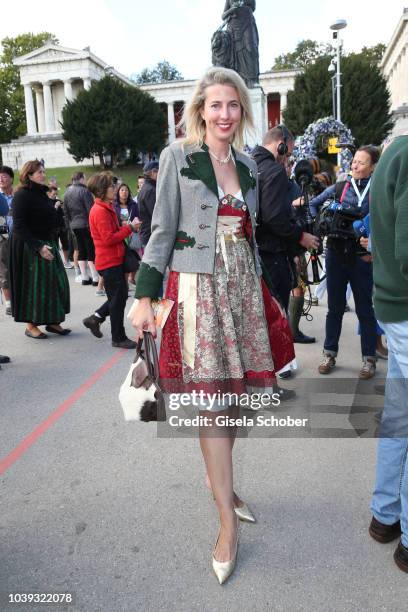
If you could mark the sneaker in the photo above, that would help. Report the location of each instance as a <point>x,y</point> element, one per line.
<point>368,369</point>
<point>384,533</point>
<point>78,278</point>
<point>327,364</point>
<point>93,323</point>
<point>88,282</point>
<point>125,344</point>
<point>401,557</point>
<point>100,292</point>
<point>68,265</point>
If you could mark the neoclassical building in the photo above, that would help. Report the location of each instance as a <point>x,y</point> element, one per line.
<point>54,74</point>
<point>394,65</point>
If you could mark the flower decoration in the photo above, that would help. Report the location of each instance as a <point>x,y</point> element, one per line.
<point>306,146</point>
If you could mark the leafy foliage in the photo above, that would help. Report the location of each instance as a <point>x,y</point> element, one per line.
<point>163,71</point>
<point>306,52</point>
<point>364,94</point>
<point>111,118</point>
<point>12,107</point>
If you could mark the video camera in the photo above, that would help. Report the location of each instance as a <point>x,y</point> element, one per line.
<point>338,221</point>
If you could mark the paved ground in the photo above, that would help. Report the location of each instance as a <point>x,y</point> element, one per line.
<point>105,510</point>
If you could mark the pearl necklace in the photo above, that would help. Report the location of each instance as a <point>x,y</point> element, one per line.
<point>222,161</point>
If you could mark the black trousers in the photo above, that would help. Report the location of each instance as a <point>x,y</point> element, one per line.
<point>280,273</point>
<point>359,274</point>
<point>86,249</point>
<point>117,291</point>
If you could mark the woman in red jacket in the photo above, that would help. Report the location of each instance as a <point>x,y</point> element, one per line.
<point>108,238</point>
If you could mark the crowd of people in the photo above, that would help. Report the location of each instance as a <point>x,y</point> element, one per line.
<point>39,236</point>
<point>225,235</point>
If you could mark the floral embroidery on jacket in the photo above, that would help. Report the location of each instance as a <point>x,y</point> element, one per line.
<point>183,241</point>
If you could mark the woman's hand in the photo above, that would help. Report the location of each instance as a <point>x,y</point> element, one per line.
<point>136,225</point>
<point>143,318</point>
<point>364,242</point>
<point>298,202</point>
<point>46,252</point>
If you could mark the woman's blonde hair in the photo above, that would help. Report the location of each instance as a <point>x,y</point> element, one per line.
<point>192,121</point>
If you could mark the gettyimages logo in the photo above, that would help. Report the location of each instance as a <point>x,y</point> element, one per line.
<point>321,408</point>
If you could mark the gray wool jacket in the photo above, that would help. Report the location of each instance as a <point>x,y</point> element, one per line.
<point>185,216</point>
<point>78,202</point>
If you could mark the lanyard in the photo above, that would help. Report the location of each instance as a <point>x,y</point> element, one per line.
<point>359,195</point>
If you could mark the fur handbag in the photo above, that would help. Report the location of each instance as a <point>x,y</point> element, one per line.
<point>140,395</point>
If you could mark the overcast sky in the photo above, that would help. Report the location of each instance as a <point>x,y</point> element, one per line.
<point>132,35</point>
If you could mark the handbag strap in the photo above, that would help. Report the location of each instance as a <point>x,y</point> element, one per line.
<point>149,354</point>
<point>152,359</point>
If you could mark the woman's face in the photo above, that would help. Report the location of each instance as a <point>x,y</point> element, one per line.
<point>124,193</point>
<point>110,193</point>
<point>362,166</point>
<point>221,112</point>
<point>38,176</point>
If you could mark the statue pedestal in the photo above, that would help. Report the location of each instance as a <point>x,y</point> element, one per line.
<point>260,112</point>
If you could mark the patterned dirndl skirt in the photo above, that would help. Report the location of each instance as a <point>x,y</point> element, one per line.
<point>240,336</point>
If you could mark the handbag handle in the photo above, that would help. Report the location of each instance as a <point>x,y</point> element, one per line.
<point>149,354</point>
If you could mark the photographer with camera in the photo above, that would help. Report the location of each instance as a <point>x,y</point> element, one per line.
<point>277,228</point>
<point>347,261</point>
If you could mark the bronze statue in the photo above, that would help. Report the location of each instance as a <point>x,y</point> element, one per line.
<point>235,43</point>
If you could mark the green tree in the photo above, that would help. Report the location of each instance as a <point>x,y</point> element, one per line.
<point>12,108</point>
<point>374,54</point>
<point>163,71</point>
<point>306,52</point>
<point>364,94</point>
<point>111,118</point>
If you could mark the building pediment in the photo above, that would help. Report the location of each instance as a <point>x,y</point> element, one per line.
<point>50,53</point>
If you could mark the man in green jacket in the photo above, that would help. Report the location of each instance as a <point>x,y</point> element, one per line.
<point>389,234</point>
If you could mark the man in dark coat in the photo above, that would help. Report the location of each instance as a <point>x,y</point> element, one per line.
<point>147,199</point>
<point>277,228</point>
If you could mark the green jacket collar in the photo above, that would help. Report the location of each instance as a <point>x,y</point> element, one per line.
<point>199,162</point>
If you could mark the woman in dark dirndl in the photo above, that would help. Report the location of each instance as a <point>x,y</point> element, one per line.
<point>38,281</point>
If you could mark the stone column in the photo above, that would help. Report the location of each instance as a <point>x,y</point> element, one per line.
<point>283,103</point>
<point>40,109</point>
<point>48,108</point>
<point>69,94</point>
<point>171,122</point>
<point>87,83</point>
<point>30,110</point>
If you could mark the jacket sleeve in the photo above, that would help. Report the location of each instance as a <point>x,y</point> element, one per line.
<point>275,204</point>
<point>20,221</point>
<point>146,220</point>
<point>106,235</point>
<point>4,207</point>
<point>401,226</point>
<point>87,200</point>
<point>164,228</point>
<point>65,205</point>
<point>316,202</point>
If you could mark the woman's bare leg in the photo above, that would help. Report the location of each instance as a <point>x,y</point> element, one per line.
<point>216,446</point>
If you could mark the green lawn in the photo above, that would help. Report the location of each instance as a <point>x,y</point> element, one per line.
<point>128,175</point>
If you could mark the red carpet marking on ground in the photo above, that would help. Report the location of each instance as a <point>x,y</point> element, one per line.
<point>58,412</point>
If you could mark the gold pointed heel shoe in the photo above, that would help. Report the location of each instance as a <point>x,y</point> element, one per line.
<point>224,569</point>
<point>244,514</point>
